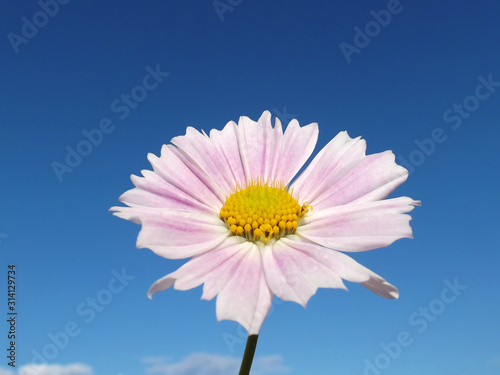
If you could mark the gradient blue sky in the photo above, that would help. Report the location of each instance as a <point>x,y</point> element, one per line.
<point>415,79</point>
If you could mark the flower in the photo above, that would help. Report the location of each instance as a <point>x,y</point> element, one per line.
<point>223,200</point>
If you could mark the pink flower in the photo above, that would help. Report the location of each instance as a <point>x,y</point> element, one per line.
<point>223,200</point>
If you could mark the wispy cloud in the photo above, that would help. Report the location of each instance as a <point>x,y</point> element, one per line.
<point>193,364</point>
<point>212,364</point>
<point>272,364</point>
<point>72,369</point>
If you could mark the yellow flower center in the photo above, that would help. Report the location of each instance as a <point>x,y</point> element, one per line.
<point>261,212</point>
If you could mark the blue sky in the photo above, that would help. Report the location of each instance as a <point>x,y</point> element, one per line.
<point>419,78</point>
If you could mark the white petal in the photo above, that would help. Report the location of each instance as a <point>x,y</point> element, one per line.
<point>381,287</point>
<point>297,146</point>
<point>269,154</point>
<point>216,281</point>
<point>234,272</point>
<point>161,284</point>
<point>153,191</point>
<point>274,153</point>
<point>373,178</point>
<point>246,297</point>
<point>187,178</point>
<point>343,265</point>
<point>255,139</point>
<point>294,275</point>
<point>201,267</point>
<point>198,149</point>
<point>329,166</point>
<point>226,141</point>
<point>360,227</point>
<point>175,234</point>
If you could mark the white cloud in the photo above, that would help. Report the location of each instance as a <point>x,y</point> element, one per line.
<point>154,360</point>
<point>72,369</point>
<point>212,364</point>
<point>272,364</point>
<point>4,371</point>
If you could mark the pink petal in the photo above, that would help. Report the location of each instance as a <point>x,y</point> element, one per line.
<point>199,269</point>
<point>153,191</point>
<point>246,297</point>
<point>254,140</point>
<point>297,146</point>
<point>273,151</point>
<point>216,281</point>
<point>381,287</point>
<point>329,166</point>
<point>251,149</point>
<point>373,178</point>
<point>185,176</point>
<point>294,275</point>
<point>161,284</point>
<point>198,149</point>
<point>269,154</point>
<point>226,141</point>
<point>233,271</point>
<point>341,264</point>
<point>175,234</point>
<point>361,226</point>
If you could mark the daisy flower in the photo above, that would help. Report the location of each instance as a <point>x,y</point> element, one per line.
<point>225,201</point>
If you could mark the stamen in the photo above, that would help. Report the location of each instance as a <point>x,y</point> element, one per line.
<point>261,212</point>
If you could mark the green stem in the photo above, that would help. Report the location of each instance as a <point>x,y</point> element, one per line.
<point>246,363</point>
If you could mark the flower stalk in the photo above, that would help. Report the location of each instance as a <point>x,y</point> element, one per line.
<point>246,362</point>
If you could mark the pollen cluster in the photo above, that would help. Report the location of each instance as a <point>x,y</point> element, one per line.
<point>261,212</point>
